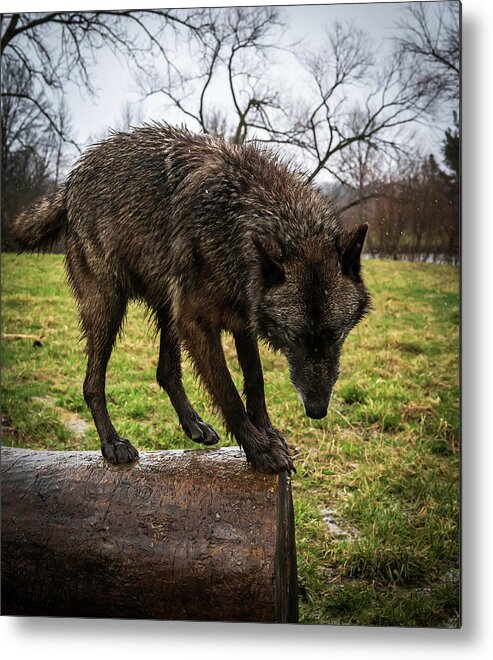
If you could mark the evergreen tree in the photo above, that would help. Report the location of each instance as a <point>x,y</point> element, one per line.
<point>451,148</point>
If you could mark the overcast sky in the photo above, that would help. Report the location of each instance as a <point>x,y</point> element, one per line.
<point>116,85</point>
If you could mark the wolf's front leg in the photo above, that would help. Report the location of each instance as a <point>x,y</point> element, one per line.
<point>251,366</point>
<point>265,453</point>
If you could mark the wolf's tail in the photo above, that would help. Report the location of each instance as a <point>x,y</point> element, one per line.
<point>40,226</point>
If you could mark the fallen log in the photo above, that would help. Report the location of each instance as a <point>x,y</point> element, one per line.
<point>179,535</point>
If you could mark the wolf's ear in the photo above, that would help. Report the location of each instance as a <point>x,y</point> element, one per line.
<point>351,244</point>
<point>269,255</point>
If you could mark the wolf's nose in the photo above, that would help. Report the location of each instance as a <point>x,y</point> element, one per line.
<point>316,411</point>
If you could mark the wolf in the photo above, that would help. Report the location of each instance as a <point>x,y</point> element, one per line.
<point>212,237</point>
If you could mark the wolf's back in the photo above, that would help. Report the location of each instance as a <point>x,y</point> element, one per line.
<point>39,227</point>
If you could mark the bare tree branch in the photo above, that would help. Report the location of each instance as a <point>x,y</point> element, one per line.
<point>430,38</point>
<point>138,36</point>
<point>234,45</point>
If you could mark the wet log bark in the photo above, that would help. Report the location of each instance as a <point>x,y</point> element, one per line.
<point>180,535</point>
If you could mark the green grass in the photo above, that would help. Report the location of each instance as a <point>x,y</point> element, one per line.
<point>384,462</point>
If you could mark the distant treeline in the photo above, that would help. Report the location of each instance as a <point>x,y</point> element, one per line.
<point>416,217</point>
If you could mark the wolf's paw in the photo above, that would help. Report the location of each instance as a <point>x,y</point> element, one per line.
<point>271,456</point>
<point>119,450</point>
<point>198,431</point>
<point>276,436</point>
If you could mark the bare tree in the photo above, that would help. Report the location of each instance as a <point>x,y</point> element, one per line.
<point>30,152</point>
<point>352,100</point>
<point>430,37</point>
<point>430,40</point>
<point>41,54</point>
<point>361,168</point>
<point>55,48</point>
<point>232,58</point>
<point>358,100</point>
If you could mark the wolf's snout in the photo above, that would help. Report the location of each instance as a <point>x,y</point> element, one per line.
<point>316,410</point>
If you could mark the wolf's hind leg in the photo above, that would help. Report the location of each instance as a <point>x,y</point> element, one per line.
<point>170,379</point>
<point>102,312</point>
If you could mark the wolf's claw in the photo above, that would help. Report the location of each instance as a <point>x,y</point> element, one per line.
<point>119,450</point>
<point>270,453</point>
<point>200,432</point>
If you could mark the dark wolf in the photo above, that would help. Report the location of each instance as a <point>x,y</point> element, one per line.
<point>211,236</point>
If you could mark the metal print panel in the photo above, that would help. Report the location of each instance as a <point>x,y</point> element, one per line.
<point>250,217</point>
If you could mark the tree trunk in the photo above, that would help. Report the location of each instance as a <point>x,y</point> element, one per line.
<point>179,535</point>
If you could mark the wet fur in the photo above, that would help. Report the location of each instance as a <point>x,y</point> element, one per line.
<point>210,236</point>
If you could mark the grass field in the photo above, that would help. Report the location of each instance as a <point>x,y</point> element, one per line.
<point>377,488</point>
